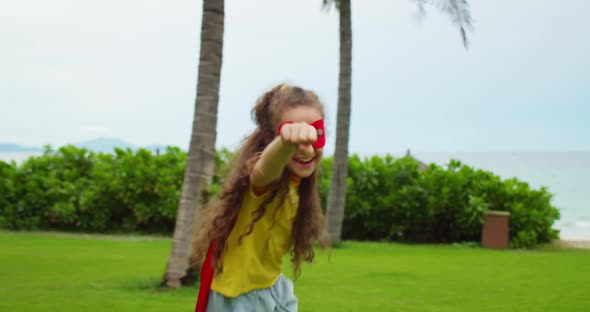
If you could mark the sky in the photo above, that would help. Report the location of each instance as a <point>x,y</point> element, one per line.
<point>75,70</point>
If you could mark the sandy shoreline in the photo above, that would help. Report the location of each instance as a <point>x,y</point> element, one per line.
<point>573,243</point>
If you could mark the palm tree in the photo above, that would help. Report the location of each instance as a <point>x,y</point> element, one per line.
<point>201,153</point>
<point>460,15</point>
<point>337,192</point>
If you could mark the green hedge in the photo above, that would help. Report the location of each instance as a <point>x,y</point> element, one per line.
<point>391,199</point>
<point>387,199</point>
<point>75,189</point>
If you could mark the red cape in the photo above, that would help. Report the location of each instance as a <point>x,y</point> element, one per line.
<point>207,271</point>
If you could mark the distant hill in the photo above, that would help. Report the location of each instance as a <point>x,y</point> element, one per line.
<point>105,145</point>
<point>99,145</point>
<point>158,147</point>
<point>11,147</point>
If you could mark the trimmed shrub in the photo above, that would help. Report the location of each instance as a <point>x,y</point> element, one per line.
<point>387,199</point>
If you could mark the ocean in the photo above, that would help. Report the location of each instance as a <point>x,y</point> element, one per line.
<point>565,174</point>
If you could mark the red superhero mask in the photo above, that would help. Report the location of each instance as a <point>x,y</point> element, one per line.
<point>319,126</point>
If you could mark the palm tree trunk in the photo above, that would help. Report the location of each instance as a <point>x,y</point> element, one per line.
<point>200,160</point>
<point>337,194</point>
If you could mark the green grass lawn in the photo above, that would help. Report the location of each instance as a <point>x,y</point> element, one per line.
<point>69,272</point>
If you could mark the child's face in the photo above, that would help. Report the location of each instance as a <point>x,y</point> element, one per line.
<point>306,158</point>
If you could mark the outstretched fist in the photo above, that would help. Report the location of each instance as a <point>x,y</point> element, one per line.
<point>298,133</point>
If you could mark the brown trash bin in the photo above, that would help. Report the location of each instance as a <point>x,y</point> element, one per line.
<point>495,229</point>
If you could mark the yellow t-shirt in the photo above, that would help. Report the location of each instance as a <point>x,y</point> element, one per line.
<point>253,264</point>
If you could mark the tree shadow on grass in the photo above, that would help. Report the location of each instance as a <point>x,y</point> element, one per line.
<point>151,284</point>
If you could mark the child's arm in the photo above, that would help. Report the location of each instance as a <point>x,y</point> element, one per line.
<point>277,154</point>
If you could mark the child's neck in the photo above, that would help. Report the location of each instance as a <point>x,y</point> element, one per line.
<point>295,178</point>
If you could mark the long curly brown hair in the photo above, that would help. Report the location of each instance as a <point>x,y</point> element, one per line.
<point>216,220</point>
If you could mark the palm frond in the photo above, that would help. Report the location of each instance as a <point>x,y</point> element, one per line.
<point>327,4</point>
<point>458,11</point>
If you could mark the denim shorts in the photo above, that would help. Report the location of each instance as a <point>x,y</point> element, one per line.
<point>278,298</point>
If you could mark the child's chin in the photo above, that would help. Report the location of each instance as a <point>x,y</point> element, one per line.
<point>303,176</point>
<point>302,173</point>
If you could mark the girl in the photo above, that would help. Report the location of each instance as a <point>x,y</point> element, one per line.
<point>268,206</point>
